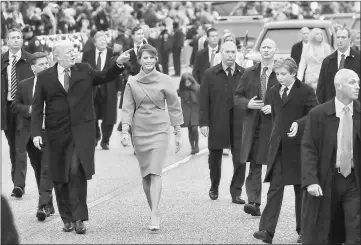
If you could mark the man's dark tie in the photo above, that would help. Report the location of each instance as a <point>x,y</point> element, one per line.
<point>284,94</point>
<point>99,62</point>
<point>138,47</point>
<point>66,79</point>
<point>342,62</point>
<point>263,83</point>
<point>229,70</point>
<point>14,83</point>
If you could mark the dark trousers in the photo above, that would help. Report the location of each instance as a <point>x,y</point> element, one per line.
<point>272,209</point>
<point>46,183</point>
<point>345,204</point>
<point>177,60</point>
<point>10,136</point>
<point>104,131</point>
<point>71,196</point>
<point>193,136</point>
<point>164,59</point>
<point>215,166</point>
<point>254,178</point>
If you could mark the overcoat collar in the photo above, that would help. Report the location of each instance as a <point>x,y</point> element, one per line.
<point>218,68</point>
<point>148,78</point>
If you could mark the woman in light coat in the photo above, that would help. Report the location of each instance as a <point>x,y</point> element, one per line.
<point>312,57</point>
<point>147,97</point>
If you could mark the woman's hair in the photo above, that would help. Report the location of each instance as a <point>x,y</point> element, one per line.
<point>186,76</point>
<point>312,36</point>
<point>353,36</point>
<point>288,63</point>
<point>147,48</point>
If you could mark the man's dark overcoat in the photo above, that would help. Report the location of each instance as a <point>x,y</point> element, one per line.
<point>318,151</point>
<point>301,99</point>
<point>217,110</point>
<point>250,86</point>
<point>69,116</point>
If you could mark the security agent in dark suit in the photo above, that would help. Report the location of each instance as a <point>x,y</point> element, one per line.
<point>297,48</point>
<point>39,159</point>
<point>204,57</point>
<point>253,97</point>
<point>291,100</point>
<point>331,167</point>
<point>178,43</point>
<point>343,57</point>
<point>67,90</point>
<point>15,66</point>
<point>105,95</point>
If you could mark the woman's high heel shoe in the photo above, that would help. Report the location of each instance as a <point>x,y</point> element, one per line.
<point>153,226</point>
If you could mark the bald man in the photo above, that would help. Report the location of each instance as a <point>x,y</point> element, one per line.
<point>221,121</point>
<point>331,166</point>
<point>252,96</point>
<point>297,48</point>
<point>67,90</point>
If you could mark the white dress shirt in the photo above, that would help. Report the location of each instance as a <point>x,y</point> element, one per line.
<point>35,80</point>
<point>201,41</point>
<point>288,91</point>
<point>340,114</point>
<point>61,74</point>
<point>268,72</point>
<point>210,51</point>
<point>10,66</point>
<point>103,57</point>
<point>347,53</point>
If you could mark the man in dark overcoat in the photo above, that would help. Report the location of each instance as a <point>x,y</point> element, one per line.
<point>105,97</point>
<point>178,43</point>
<point>15,66</point>
<point>221,121</point>
<point>331,167</point>
<point>291,100</point>
<point>24,143</point>
<point>252,95</point>
<point>67,90</point>
<point>298,47</point>
<point>204,57</point>
<point>343,57</point>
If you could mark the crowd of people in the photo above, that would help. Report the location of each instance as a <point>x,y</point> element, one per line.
<point>299,116</point>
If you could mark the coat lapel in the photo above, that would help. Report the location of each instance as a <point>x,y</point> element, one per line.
<point>55,75</point>
<point>74,74</point>
<point>332,122</point>
<point>333,62</point>
<point>294,88</point>
<point>356,120</point>
<point>257,79</point>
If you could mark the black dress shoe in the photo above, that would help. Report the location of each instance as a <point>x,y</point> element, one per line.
<point>238,200</point>
<point>213,194</point>
<point>68,227</point>
<point>79,227</point>
<point>105,146</point>
<point>299,238</point>
<point>263,235</point>
<point>42,213</point>
<point>18,192</point>
<point>252,209</point>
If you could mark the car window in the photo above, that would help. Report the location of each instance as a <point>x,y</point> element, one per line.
<point>356,25</point>
<point>286,38</point>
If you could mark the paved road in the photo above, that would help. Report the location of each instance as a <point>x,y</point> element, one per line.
<point>119,212</point>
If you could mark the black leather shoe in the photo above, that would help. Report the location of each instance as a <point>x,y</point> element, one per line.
<point>263,235</point>
<point>79,227</point>
<point>18,192</point>
<point>68,227</point>
<point>238,200</point>
<point>299,239</point>
<point>252,209</point>
<point>42,213</point>
<point>213,194</point>
<point>105,146</point>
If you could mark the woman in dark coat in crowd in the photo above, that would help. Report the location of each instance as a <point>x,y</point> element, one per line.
<point>189,94</point>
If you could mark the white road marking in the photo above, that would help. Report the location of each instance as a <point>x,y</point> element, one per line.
<point>107,197</point>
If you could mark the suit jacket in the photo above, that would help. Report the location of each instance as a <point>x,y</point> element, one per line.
<point>22,103</point>
<point>296,52</point>
<point>106,97</point>
<point>325,87</point>
<point>69,116</point>
<point>217,110</point>
<point>301,99</point>
<point>9,234</point>
<point>23,71</point>
<point>318,151</point>
<point>201,64</point>
<point>248,87</point>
